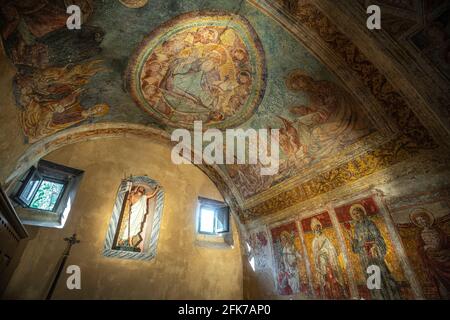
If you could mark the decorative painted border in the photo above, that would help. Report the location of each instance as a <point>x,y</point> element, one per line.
<point>132,80</point>
<point>150,252</point>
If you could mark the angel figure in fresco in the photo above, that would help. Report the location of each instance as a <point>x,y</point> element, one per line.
<point>328,271</point>
<point>328,123</point>
<point>434,249</point>
<point>42,119</point>
<point>137,201</point>
<point>194,84</point>
<point>248,178</point>
<point>368,243</point>
<point>48,83</point>
<point>288,138</point>
<point>289,256</point>
<point>50,99</point>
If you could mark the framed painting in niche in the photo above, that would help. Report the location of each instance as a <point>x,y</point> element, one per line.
<point>134,226</point>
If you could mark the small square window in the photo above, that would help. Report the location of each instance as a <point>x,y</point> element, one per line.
<point>47,195</point>
<point>207,220</point>
<point>213,217</point>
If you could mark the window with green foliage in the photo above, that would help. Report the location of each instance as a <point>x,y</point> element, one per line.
<point>47,195</point>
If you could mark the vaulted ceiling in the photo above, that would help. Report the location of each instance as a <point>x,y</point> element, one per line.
<point>348,101</point>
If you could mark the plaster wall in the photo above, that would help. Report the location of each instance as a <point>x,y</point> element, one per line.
<point>181,269</point>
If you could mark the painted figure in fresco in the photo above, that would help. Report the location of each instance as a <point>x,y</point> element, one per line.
<point>258,244</point>
<point>328,123</point>
<point>328,271</point>
<point>368,243</point>
<point>39,16</point>
<point>288,138</point>
<point>43,119</point>
<point>283,280</point>
<point>27,22</point>
<point>50,99</point>
<point>434,249</point>
<point>194,84</point>
<point>248,177</point>
<point>289,256</point>
<point>202,73</point>
<point>137,202</point>
<point>50,83</point>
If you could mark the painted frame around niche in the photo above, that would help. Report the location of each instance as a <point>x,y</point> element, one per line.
<point>149,247</point>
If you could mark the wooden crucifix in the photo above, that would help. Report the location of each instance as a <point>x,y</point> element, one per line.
<point>70,242</point>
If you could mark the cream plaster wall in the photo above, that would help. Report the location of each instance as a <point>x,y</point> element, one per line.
<point>181,269</point>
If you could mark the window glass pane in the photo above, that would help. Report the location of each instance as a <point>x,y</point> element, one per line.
<point>206,220</point>
<point>47,195</point>
<point>29,190</point>
<point>31,185</point>
<point>222,223</point>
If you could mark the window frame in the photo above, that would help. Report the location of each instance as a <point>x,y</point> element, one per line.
<point>215,206</point>
<point>32,172</point>
<point>200,220</point>
<point>52,172</point>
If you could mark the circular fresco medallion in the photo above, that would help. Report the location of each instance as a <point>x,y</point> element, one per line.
<point>199,67</point>
<point>134,4</point>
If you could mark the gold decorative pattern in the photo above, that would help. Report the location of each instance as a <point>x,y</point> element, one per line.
<point>389,154</point>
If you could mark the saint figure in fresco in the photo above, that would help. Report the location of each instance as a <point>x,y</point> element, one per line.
<point>328,272</point>
<point>368,243</point>
<point>137,203</point>
<point>289,256</point>
<point>434,249</point>
<point>327,123</point>
<point>283,280</point>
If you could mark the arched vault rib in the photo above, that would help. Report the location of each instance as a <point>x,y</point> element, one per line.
<point>386,100</point>
<point>112,130</point>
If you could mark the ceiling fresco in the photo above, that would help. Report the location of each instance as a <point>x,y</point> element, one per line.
<point>166,64</point>
<point>201,66</point>
<point>421,26</point>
